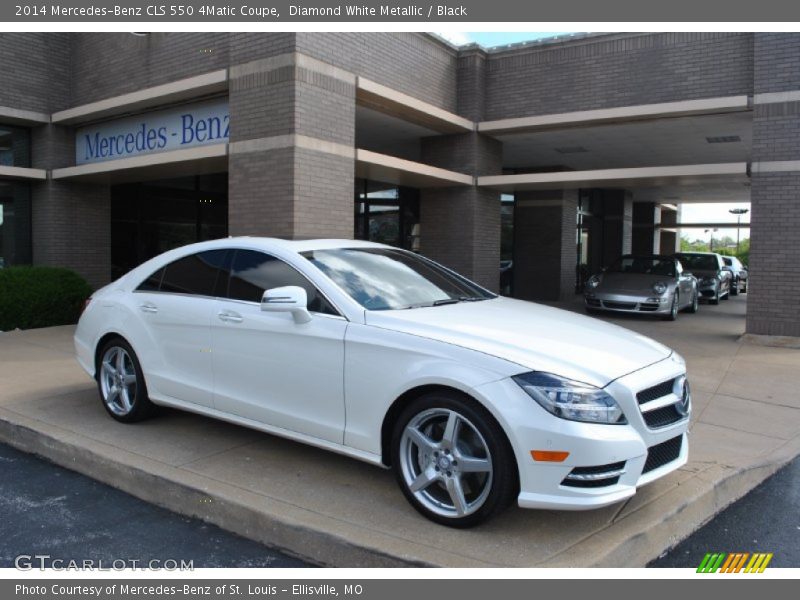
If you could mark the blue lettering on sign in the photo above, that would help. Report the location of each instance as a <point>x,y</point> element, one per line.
<point>171,129</point>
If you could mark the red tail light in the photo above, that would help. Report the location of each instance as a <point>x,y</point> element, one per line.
<point>86,304</point>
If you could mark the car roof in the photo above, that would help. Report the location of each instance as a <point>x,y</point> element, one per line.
<point>267,243</point>
<point>690,253</point>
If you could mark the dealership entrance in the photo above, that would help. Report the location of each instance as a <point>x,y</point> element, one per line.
<point>151,217</point>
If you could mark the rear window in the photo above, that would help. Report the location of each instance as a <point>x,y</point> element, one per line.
<point>202,274</point>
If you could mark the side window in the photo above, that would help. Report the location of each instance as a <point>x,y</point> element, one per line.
<point>254,272</point>
<point>202,274</point>
<point>152,283</point>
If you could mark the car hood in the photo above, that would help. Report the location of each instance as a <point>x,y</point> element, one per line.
<point>536,337</point>
<point>630,282</point>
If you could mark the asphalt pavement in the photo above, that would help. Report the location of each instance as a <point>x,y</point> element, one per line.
<point>49,510</point>
<point>765,520</point>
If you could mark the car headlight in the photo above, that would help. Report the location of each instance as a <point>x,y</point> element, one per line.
<point>593,282</point>
<point>571,400</point>
<point>659,287</point>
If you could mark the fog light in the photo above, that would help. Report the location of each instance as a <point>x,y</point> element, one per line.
<point>549,455</point>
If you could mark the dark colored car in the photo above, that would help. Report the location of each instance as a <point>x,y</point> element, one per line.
<point>739,272</point>
<point>714,281</point>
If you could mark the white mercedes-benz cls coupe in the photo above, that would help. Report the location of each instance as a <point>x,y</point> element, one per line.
<point>474,400</point>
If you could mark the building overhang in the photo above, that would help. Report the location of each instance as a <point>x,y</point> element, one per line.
<point>387,100</point>
<point>586,118</point>
<point>389,169</point>
<point>195,87</point>
<point>22,173</point>
<point>177,163</point>
<point>18,116</point>
<point>624,178</point>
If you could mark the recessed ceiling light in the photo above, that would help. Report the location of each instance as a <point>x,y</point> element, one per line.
<point>570,149</point>
<point>723,139</point>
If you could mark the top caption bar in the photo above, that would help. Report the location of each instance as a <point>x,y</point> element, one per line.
<point>317,11</point>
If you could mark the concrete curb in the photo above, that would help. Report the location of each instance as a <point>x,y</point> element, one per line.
<point>686,507</point>
<point>211,505</point>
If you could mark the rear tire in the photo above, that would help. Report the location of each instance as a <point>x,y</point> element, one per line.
<point>734,290</point>
<point>120,381</point>
<point>695,305</point>
<point>452,460</point>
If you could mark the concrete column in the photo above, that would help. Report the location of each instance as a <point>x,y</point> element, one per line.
<point>646,238</point>
<point>460,226</point>
<point>773,299</point>
<point>291,165</point>
<point>545,244</point>
<point>71,222</point>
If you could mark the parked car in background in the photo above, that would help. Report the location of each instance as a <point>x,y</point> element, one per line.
<point>475,400</point>
<point>714,281</point>
<point>739,272</point>
<point>646,284</point>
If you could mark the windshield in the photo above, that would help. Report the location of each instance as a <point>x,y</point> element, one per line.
<point>390,279</point>
<point>699,262</point>
<point>644,265</point>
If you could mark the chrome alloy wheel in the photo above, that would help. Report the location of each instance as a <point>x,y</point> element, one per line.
<point>118,380</point>
<point>446,463</point>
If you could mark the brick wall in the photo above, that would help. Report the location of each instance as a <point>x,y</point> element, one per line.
<point>773,306</point>
<point>413,63</point>
<point>617,70</point>
<point>460,226</point>
<point>34,71</point>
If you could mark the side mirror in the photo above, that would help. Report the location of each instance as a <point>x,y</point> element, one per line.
<point>290,298</point>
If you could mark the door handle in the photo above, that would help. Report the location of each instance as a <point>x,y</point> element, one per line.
<point>148,308</point>
<point>229,316</point>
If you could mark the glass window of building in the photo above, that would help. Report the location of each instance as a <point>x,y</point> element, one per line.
<point>152,217</point>
<point>15,205</point>
<point>387,214</point>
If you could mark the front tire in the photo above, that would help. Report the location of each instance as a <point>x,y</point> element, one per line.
<point>452,460</point>
<point>673,311</point>
<point>121,384</point>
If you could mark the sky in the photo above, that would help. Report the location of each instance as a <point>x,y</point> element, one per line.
<point>495,38</point>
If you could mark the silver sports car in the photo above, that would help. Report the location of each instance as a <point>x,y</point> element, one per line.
<point>655,285</point>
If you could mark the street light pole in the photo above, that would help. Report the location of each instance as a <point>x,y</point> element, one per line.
<point>711,239</point>
<point>738,212</point>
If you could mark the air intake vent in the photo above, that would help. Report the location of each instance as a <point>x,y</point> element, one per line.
<point>570,149</point>
<point>723,139</point>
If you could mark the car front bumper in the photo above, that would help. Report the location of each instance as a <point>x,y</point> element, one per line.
<point>610,461</point>
<point>629,303</point>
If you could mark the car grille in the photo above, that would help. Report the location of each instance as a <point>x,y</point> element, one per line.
<point>619,305</point>
<point>593,302</point>
<point>648,306</point>
<point>661,417</point>
<point>594,477</point>
<point>656,392</point>
<point>663,453</point>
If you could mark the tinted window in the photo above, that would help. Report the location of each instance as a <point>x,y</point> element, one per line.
<point>644,265</point>
<point>699,262</point>
<point>152,283</point>
<point>254,272</point>
<point>388,279</point>
<point>202,274</point>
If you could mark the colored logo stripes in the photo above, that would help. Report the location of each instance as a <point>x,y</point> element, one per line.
<point>735,562</point>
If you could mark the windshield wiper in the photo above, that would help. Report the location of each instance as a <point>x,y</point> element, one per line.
<point>444,301</point>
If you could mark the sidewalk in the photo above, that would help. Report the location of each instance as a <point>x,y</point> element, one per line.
<point>337,511</point>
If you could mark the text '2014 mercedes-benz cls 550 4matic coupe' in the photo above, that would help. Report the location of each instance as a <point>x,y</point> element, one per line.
<point>474,400</point>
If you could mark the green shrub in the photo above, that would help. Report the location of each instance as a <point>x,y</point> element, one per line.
<point>40,297</point>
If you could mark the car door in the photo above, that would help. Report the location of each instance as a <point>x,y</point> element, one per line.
<point>176,304</point>
<point>685,284</point>
<point>268,367</point>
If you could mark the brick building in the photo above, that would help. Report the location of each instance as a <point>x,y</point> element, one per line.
<point>556,155</point>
